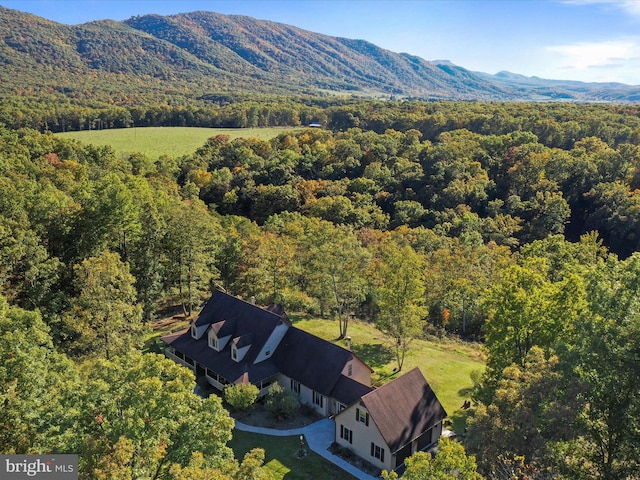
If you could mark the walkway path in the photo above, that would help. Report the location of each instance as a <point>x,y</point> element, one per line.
<point>319,436</point>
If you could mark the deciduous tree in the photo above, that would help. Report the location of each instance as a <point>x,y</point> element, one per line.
<point>603,356</point>
<point>400,296</point>
<point>340,265</point>
<point>33,378</point>
<point>450,463</point>
<point>138,413</point>
<point>104,318</point>
<point>191,244</point>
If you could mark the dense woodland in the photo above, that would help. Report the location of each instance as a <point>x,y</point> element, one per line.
<point>516,225</point>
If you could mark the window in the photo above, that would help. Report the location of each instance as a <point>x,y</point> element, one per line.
<point>265,384</point>
<point>234,353</point>
<point>267,350</point>
<point>377,452</point>
<point>194,331</point>
<point>318,399</point>
<point>346,434</point>
<point>362,416</point>
<point>350,370</point>
<point>295,386</point>
<point>213,342</point>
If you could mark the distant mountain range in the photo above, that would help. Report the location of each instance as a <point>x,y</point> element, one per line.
<point>201,53</point>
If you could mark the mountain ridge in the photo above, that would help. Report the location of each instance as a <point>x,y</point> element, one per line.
<point>202,52</point>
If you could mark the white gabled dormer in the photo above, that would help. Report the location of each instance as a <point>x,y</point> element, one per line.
<point>216,341</point>
<point>272,342</point>
<point>240,346</point>
<point>198,330</point>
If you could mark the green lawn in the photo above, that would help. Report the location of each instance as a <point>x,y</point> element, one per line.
<point>447,365</point>
<point>281,457</point>
<point>171,141</point>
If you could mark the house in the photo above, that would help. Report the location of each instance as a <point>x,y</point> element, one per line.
<point>233,341</point>
<point>392,422</point>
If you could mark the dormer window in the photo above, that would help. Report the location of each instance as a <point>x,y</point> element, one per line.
<point>194,331</point>
<point>234,352</point>
<point>213,342</point>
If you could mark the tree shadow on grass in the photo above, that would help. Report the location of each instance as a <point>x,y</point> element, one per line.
<point>375,355</point>
<point>457,421</point>
<point>465,392</point>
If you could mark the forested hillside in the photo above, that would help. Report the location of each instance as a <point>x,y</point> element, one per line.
<point>190,57</point>
<point>512,224</point>
<point>516,225</point>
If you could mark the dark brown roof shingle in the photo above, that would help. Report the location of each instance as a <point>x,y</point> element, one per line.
<point>404,408</point>
<point>312,361</point>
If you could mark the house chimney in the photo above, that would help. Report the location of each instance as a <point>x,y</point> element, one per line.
<point>349,343</point>
<point>253,299</point>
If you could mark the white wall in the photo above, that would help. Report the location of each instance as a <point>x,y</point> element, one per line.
<point>363,435</point>
<point>306,395</point>
<point>359,371</point>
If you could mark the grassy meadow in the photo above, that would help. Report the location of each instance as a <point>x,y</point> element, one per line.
<point>171,141</point>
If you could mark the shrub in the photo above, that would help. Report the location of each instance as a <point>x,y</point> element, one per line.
<point>308,411</point>
<point>281,403</point>
<point>241,396</point>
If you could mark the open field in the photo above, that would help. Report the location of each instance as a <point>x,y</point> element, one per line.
<point>281,459</point>
<point>171,141</point>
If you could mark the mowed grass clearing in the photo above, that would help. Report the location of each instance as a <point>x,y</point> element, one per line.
<point>282,459</point>
<point>171,141</point>
<point>447,365</point>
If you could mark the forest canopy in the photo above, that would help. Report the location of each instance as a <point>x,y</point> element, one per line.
<point>513,224</point>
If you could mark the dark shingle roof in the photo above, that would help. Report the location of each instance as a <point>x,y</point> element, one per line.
<point>246,322</point>
<point>221,362</point>
<point>170,337</point>
<point>233,310</point>
<point>347,391</point>
<point>404,408</point>
<point>312,361</point>
<point>244,340</point>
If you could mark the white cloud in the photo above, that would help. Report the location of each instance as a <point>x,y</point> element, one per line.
<point>598,61</point>
<point>629,6</point>
<point>587,54</point>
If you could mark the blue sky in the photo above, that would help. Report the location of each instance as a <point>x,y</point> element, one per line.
<point>587,40</point>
